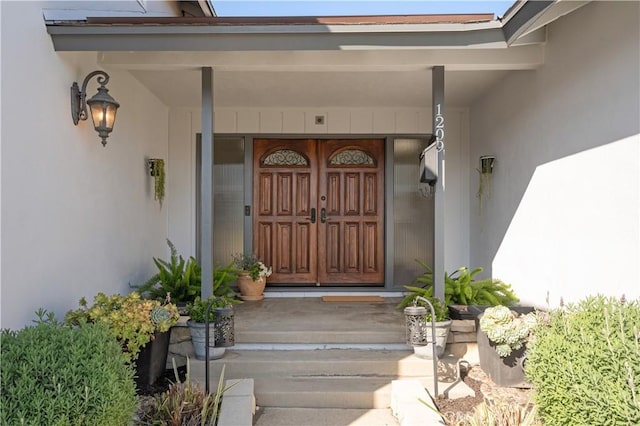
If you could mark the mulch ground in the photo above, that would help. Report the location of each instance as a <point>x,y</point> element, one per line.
<point>485,390</point>
<point>163,382</point>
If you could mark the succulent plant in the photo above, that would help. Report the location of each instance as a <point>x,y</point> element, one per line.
<point>508,330</point>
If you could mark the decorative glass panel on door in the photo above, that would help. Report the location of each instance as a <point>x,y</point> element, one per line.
<point>351,157</point>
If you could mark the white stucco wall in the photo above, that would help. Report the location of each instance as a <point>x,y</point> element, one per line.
<point>77,218</point>
<point>185,123</point>
<point>563,217</point>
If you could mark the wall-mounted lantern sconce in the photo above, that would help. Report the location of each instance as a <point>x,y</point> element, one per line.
<point>103,107</point>
<point>486,164</point>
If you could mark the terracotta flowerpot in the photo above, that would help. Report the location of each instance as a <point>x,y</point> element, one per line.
<point>251,289</point>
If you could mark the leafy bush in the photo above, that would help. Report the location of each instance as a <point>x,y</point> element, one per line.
<point>251,265</point>
<point>182,280</point>
<point>223,277</point>
<point>183,404</point>
<point>197,310</point>
<point>131,319</point>
<point>177,277</point>
<point>439,309</point>
<point>58,375</point>
<point>585,364</point>
<point>460,288</point>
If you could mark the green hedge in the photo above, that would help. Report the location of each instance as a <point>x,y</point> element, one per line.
<point>585,364</point>
<point>56,375</point>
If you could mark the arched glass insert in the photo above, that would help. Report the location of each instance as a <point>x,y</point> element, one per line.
<point>351,157</point>
<point>285,157</point>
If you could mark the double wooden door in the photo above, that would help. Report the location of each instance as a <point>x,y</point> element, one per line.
<point>319,210</point>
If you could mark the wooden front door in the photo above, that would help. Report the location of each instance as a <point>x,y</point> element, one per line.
<point>319,210</point>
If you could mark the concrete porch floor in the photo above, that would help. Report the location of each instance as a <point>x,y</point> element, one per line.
<point>310,320</point>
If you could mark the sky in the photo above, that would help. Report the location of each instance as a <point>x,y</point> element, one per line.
<point>355,7</point>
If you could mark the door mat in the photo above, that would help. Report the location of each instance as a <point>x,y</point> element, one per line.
<point>374,299</point>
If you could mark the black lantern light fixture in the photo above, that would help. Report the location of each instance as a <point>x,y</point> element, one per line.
<point>103,107</point>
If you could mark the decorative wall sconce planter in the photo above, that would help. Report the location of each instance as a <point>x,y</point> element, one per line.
<point>103,107</point>
<point>156,171</point>
<point>486,164</point>
<point>486,170</point>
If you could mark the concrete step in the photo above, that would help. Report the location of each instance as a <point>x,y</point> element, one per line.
<point>320,363</point>
<point>324,392</point>
<point>271,416</point>
<point>349,378</point>
<point>321,336</point>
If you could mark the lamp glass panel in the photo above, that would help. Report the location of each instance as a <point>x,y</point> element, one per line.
<point>103,115</point>
<point>98,114</point>
<point>111,115</point>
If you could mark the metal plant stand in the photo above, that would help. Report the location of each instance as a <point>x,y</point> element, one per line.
<point>416,328</point>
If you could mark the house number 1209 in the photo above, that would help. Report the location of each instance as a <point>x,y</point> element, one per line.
<point>439,131</point>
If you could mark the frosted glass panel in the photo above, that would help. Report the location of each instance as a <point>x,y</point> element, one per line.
<point>412,213</point>
<point>228,204</point>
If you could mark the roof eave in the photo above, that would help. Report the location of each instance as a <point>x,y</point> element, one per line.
<point>198,34</point>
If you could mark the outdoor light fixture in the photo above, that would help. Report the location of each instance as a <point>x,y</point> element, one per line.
<point>103,107</point>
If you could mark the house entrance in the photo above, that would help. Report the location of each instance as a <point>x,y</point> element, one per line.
<point>319,210</point>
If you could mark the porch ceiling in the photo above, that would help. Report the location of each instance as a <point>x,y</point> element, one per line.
<point>373,78</point>
<point>322,89</point>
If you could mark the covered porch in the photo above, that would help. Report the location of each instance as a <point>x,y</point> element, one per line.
<point>231,82</point>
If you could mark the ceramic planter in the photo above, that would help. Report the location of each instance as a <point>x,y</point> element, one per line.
<point>198,338</point>
<point>152,359</point>
<point>507,371</point>
<point>442,334</point>
<point>251,289</point>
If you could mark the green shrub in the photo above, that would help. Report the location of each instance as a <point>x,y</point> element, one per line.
<point>58,375</point>
<point>585,364</point>
<point>460,288</point>
<point>183,404</point>
<point>197,310</point>
<point>180,278</point>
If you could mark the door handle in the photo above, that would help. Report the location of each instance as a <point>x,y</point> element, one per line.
<point>313,215</point>
<point>323,215</point>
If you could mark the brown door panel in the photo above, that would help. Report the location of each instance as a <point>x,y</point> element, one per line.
<point>284,236</point>
<point>351,248</point>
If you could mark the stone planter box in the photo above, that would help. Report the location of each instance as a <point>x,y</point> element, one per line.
<point>506,371</point>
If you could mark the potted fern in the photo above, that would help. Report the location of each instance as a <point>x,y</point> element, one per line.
<point>465,296</point>
<point>182,280</point>
<point>179,278</point>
